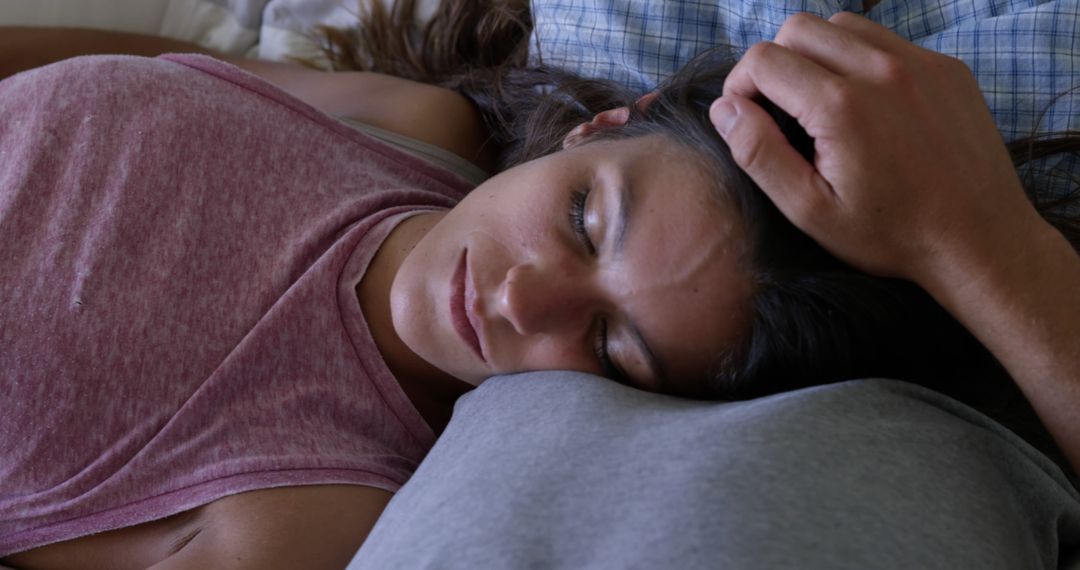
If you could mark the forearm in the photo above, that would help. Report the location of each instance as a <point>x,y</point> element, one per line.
<point>1019,296</point>
<point>23,48</point>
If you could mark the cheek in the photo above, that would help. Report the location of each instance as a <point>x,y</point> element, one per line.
<point>520,221</point>
<point>558,354</point>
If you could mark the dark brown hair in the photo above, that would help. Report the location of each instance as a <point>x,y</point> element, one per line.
<point>460,35</point>
<point>815,320</point>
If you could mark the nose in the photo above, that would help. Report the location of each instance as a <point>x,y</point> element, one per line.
<point>538,300</point>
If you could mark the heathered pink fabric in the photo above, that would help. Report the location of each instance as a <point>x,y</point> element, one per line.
<point>179,248</point>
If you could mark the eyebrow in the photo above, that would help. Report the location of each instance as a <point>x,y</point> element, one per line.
<point>626,204</point>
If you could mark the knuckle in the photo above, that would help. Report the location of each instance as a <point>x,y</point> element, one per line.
<point>799,21</point>
<point>892,69</point>
<point>795,26</point>
<point>760,51</point>
<point>843,18</point>
<point>837,94</point>
<point>747,148</point>
<point>783,34</point>
<point>747,151</point>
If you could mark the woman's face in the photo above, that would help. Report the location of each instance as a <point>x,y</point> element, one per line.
<point>647,295</point>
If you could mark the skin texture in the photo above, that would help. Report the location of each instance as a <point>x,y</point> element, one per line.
<point>926,192</point>
<point>541,294</point>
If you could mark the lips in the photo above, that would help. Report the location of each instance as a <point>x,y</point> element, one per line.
<point>462,298</point>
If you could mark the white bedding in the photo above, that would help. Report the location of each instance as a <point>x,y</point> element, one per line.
<point>141,16</point>
<point>265,29</point>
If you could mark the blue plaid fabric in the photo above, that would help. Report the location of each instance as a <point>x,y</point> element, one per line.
<point>1024,53</point>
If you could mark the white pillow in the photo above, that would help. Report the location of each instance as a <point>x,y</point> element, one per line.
<point>139,16</point>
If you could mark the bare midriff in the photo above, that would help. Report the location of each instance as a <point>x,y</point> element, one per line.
<point>139,546</point>
<point>316,526</point>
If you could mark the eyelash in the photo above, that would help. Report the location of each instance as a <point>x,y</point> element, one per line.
<point>577,221</point>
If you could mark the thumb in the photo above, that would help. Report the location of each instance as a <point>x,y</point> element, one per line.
<point>762,151</point>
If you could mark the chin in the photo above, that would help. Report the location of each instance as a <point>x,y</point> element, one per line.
<point>466,379</point>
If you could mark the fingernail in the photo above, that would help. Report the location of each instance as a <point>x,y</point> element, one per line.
<point>723,115</point>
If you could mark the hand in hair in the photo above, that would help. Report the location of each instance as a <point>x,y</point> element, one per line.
<point>908,161</point>
<point>911,179</point>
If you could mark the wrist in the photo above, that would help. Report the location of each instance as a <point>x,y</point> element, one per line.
<point>1000,263</point>
<point>1019,300</point>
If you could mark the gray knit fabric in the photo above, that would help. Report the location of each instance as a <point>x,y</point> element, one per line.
<point>565,470</point>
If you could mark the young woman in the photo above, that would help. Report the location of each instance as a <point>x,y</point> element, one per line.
<point>235,325</point>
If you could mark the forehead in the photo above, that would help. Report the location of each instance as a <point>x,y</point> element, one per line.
<point>659,151</point>
<point>681,277</point>
<point>674,175</point>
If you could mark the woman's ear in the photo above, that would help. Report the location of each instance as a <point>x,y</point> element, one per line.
<point>606,119</point>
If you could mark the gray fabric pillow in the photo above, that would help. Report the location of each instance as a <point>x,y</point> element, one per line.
<point>566,470</point>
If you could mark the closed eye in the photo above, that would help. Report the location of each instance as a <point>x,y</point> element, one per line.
<point>578,199</point>
<point>606,363</point>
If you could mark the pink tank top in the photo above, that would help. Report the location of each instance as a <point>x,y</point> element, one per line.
<point>180,244</point>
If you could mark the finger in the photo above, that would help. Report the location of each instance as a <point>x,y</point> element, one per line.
<point>789,80</point>
<point>762,151</point>
<point>870,32</point>
<point>646,100</point>
<point>832,46</point>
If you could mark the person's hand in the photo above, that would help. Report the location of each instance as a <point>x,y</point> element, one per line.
<point>909,172</point>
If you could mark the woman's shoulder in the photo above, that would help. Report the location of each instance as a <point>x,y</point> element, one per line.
<point>316,526</point>
<point>424,112</point>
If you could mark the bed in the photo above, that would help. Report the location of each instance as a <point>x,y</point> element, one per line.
<point>562,470</point>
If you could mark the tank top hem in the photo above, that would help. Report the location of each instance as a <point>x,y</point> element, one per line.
<point>180,500</point>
